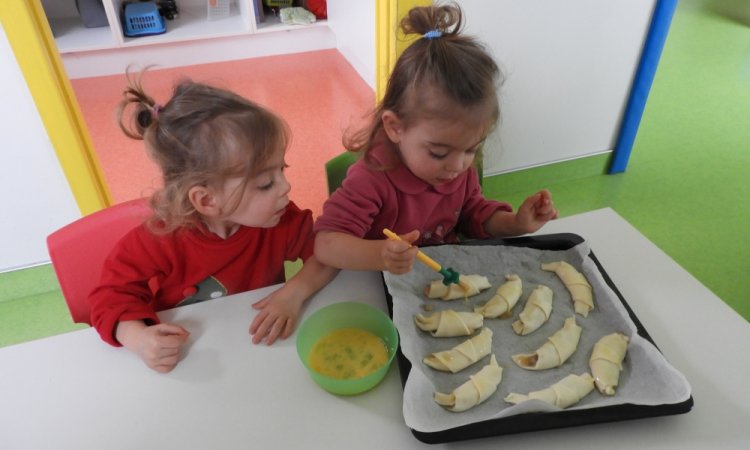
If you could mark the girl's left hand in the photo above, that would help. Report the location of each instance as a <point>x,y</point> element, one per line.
<point>536,211</point>
<point>276,318</point>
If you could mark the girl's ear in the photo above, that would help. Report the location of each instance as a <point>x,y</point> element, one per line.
<point>204,201</point>
<point>392,126</point>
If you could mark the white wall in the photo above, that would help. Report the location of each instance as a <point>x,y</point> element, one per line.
<point>569,66</point>
<point>36,197</point>
<point>354,28</point>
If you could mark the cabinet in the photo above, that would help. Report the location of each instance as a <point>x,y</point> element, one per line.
<point>190,38</point>
<point>191,24</point>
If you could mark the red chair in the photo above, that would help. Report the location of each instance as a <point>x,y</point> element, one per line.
<point>78,251</point>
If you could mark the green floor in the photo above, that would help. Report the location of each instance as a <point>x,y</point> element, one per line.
<point>685,188</point>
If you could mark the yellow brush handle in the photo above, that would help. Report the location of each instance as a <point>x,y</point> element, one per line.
<point>431,263</point>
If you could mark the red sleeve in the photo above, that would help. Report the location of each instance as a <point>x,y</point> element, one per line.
<point>477,209</point>
<point>123,292</point>
<point>351,209</point>
<point>299,231</point>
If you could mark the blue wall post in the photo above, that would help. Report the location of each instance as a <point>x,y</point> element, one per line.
<point>644,78</point>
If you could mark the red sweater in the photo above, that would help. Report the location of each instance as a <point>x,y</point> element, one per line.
<point>370,200</point>
<point>146,273</point>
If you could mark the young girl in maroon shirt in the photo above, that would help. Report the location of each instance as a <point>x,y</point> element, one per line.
<point>222,222</point>
<point>416,175</point>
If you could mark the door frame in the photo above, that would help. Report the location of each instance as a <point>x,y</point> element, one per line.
<point>30,37</point>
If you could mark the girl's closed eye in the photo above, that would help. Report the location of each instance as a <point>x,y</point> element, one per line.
<point>437,154</point>
<point>267,181</point>
<point>266,186</point>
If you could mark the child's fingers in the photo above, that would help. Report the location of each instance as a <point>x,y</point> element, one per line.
<point>289,327</point>
<point>411,236</point>
<point>266,329</point>
<point>166,363</point>
<point>170,335</point>
<point>259,334</point>
<point>169,328</point>
<point>260,304</point>
<point>258,321</point>
<point>275,331</point>
<point>397,247</point>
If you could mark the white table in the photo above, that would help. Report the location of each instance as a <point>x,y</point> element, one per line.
<point>74,392</point>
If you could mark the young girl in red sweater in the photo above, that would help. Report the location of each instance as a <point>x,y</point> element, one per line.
<point>222,222</point>
<point>416,175</point>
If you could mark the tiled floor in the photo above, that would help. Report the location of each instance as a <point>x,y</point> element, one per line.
<point>318,93</point>
<point>686,187</point>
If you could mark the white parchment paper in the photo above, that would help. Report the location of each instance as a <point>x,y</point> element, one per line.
<point>647,378</point>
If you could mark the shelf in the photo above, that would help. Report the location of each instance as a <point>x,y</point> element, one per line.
<point>191,24</point>
<point>273,23</point>
<point>72,36</point>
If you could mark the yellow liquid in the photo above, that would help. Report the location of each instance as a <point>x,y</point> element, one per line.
<point>348,353</point>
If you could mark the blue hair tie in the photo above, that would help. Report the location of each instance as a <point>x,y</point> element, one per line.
<point>433,34</point>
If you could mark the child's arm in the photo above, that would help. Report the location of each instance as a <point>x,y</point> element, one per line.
<point>157,345</point>
<point>278,312</point>
<point>345,251</point>
<point>535,211</point>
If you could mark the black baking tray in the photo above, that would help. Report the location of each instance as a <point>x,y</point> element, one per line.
<point>541,421</point>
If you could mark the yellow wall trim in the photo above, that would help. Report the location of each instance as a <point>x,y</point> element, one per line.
<point>388,40</point>
<point>29,34</point>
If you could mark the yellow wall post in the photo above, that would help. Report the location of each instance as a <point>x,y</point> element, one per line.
<point>29,34</point>
<point>389,42</point>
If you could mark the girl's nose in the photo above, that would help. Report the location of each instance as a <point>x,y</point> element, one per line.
<point>455,162</point>
<point>285,185</point>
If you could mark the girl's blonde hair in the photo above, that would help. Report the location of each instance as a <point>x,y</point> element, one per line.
<point>202,136</point>
<point>455,66</point>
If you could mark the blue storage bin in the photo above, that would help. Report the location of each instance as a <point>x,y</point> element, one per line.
<point>142,19</point>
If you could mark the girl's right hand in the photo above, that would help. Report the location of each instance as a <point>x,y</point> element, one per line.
<point>157,345</point>
<point>398,256</point>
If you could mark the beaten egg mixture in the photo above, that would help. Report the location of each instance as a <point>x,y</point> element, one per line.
<point>348,353</point>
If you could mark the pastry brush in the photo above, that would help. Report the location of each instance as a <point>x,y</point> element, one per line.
<point>449,275</point>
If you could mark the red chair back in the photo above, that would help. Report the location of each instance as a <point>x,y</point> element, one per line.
<point>78,251</point>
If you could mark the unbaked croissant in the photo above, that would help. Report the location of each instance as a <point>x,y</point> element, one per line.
<point>606,361</point>
<point>476,284</point>
<point>473,392</point>
<point>504,300</point>
<point>579,288</point>
<point>555,351</point>
<point>566,392</point>
<point>450,323</point>
<point>536,311</point>
<point>463,355</point>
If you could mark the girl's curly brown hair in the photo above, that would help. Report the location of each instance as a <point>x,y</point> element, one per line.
<point>200,137</point>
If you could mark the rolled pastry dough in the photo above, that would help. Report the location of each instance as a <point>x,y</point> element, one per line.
<point>579,288</point>
<point>566,392</point>
<point>473,392</point>
<point>449,323</point>
<point>536,311</point>
<point>504,300</point>
<point>476,283</point>
<point>606,361</point>
<point>463,355</point>
<point>555,351</point>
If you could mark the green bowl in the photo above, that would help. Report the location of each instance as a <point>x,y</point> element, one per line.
<point>346,315</point>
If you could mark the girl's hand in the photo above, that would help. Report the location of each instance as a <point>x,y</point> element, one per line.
<point>536,211</point>
<point>398,256</point>
<point>277,317</point>
<point>157,345</point>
